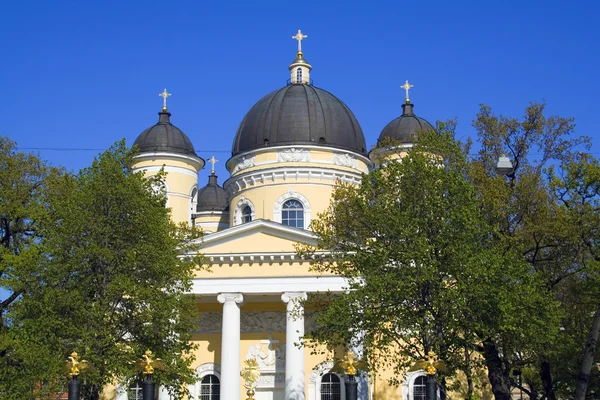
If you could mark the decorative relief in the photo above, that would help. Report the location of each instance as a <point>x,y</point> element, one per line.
<point>244,163</point>
<point>293,155</point>
<point>208,367</point>
<point>250,321</point>
<point>319,371</point>
<point>268,357</point>
<point>263,321</point>
<point>345,160</point>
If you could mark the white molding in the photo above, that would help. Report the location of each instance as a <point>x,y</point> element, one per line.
<point>201,372</point>
<point>246,161</point>
<point>291,194</point>
<point>233,160</point>
<point>237,213</point>
<point>289,175</point>
<point>259,225</point>
<point>196,161</point>
<point>167,169</point>
<point>293,154</point>
<point>408,384</point>
<point>262,285</point>
<point>315,377</point>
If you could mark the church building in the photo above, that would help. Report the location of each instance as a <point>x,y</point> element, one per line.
<point>289,151</point>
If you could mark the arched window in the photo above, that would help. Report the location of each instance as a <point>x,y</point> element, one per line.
<point>135,391</point>
<point>331,388</point>
<point>210,388</point>
<point>419,388</point>
<point>292,214</point>
<point>299,75</point>
<point>246,214</point>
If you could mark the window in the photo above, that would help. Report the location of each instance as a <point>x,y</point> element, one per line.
<point>292,214</point>
<point>246,214</point>
<point>210,388</point>
<point>419,388</point>
<point>299,75</point>
<point>135,391</point>
<point>331,387</point>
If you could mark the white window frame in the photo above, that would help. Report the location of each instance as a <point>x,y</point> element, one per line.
<point>292,195</point>
<point>201,372</point>
<point>239,208</point>
<point>193,201</point>
<point>314,381</point>
<point>408,384</point>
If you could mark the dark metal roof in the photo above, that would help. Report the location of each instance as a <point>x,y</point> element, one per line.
<point>299,114</point>
<point>405,127</point>
<point>212,197</point>
<point>164,137</point>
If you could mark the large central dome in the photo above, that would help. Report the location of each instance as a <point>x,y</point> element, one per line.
<point>299,114</point>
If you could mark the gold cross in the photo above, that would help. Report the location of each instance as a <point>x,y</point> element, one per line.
<point>213,160</point>
<point>299,36</point>
<point>164,95</point>
<point>406,87</point>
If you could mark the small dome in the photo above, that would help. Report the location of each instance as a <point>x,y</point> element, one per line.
<point>299,114</point>
<point>212,197</point>
<point>405,127</point>
<point>164,137</point>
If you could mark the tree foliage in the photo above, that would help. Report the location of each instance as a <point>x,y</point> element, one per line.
<point>424,270</point>
<point>112,281</point>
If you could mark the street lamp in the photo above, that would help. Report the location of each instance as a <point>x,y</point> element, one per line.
<point>504,165</point>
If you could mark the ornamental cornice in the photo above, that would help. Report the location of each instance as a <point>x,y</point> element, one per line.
<point>287,175</point>
<point>284,154</point>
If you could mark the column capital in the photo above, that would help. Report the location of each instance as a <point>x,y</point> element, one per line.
<point>293,297</point>
<point>230,298</point>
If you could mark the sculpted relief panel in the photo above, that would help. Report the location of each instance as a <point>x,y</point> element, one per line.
<point>293,155</point>
<point>250,321</point>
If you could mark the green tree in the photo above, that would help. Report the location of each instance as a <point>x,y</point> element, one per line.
<point>23,204</point>
<point>530,223</point>
<point>577,188</point>
<point>424,273</point>
<point>114,279</point>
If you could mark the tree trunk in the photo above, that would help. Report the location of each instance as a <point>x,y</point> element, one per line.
<point>587,358</point>
<point>547,381</point>
<point>499,378</point>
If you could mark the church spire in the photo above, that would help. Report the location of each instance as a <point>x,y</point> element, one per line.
<point>300,68</point>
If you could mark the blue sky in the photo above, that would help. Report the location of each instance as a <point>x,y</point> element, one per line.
<point>83,74</point>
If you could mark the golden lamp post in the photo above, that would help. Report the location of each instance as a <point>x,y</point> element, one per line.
<point>349,366</point>
<point>431,366</point>
<point>250,374</point>
<point>147,365</point>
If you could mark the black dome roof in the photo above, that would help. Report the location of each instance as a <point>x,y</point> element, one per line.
<point>405,127</point>
<point>299,114</point>
<point>164,137</point>
<point>212,197</point>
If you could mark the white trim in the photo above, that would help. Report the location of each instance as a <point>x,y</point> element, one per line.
<point>408,384</point>
<point>201,372</point>
<point>262,285</point>
<point>237,213</point>
<point>315,377</point>
<point>233,160</point>
<point>196,161</point>
<point>289,175</point>
<point>259,225</point>
<point>292,195</point>
<point>167,169</point>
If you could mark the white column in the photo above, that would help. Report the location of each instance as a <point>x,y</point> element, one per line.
<point>230,346</point>
<point>294,354</point>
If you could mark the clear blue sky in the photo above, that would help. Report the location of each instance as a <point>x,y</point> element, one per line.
<point>83,74</point>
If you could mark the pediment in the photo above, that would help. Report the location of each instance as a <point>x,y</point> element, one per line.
<point>258,236</point>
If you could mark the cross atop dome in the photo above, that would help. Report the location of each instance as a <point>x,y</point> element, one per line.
<point>164,95</point>
<point>406,87</point>
<point>299,37</point>
<point>300,69</point>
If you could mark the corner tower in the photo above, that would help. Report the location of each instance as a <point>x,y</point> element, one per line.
<point>163,145</point>
<point>291,149</point>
